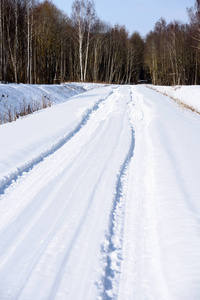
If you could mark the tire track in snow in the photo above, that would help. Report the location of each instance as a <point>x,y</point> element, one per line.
<point>59,276</point>
<point>33,206</point>
<point>113,245</point>
<point>54,231</point>
<point>65,157</point>
<point>49,236</point>
<point>7,180</point>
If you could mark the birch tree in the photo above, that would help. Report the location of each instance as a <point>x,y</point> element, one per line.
<point>29,24</point>
<point>83,15</point>
<point>28,40</point>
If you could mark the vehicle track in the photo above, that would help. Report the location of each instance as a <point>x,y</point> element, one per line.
<point>7,180</point>
<point>114,241</point>
<point>40,203</point>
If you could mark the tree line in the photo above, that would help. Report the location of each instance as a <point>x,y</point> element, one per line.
<point>41,44</point>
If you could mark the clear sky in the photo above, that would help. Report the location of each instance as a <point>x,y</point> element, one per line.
<point>139,15</point>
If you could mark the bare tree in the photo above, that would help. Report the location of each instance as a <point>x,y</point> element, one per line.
<point>83,15</point>
<point>90,17</point>
<point>28,40</point>
<point>13,40</point>
<point>78,10</point>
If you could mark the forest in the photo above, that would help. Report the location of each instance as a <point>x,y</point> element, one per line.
<point>40,44</point>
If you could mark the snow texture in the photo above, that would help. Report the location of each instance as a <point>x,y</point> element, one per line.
<point>99,195</point>
<point>189,95</point>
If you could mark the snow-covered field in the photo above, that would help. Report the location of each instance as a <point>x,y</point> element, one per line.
<point>100,197</point>
<point>189,95</point>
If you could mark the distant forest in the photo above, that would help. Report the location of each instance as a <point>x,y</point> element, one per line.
<point>41,44</point>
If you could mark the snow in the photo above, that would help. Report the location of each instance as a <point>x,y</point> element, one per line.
<point>29,140</point>
<point>164,173</point>
<point>188,95</point>
<point>99,196</point>
<point>16,97</point>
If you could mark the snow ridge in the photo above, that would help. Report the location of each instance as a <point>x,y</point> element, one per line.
<point>17,98</point>
<point>114,239</point>
<point>26,167</point>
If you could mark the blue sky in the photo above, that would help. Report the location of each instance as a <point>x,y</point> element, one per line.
<point>135,15</point>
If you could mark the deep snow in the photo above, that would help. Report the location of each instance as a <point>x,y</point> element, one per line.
<point>15,98</point>
<point>99,198</point>
<point>189,95</point>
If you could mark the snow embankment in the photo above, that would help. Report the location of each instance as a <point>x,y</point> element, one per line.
<point>188,96</point>
<point>89,85</point>
<point>30,139</point>
<point>21,99</point>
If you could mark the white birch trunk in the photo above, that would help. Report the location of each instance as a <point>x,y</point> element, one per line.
<point>81,54</point>
<point>16,41</point>
<point>87,49</point>
<point>31,45</point>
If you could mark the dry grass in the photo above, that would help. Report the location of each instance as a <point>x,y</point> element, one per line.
<point>12,114</point>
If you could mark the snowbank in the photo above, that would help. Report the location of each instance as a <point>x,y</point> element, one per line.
<point>30,139</point>
<point>189,95</point>
<point>89,85</point>
<point>21,99</point>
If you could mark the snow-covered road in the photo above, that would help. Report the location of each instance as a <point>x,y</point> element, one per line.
<point>100,199</point>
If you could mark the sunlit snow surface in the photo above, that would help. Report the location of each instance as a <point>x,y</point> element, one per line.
<point>189,95</point>
<point>100,195</point>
